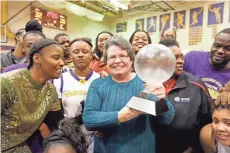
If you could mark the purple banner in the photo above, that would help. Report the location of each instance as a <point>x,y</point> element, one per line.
<point>196,17</point>
<point>164,22</point>
<point>215,13</point>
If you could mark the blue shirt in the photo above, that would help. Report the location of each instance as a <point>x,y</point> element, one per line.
<point>104,100</point>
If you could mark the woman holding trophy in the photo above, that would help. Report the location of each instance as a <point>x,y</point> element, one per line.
<point>121,128</point>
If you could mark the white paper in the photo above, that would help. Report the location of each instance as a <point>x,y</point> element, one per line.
<point>143,105</point>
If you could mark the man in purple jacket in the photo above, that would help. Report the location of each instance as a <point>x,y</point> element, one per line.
<point>212,67</point>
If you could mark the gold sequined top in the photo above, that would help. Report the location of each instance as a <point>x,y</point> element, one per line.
<point>24,106</point>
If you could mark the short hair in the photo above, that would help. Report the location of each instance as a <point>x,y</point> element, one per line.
<point>223,99</point>
<point>34,33</point>
<point>59,35</point>
<point>169,42</point>
<point>33,25</point>
<point>69,133</point>
<point>166,30</point>
<point>19,33</point>
<point>119,41</point>
<point>86,40</point>
<point>132,36</point>
<point>38,46</point>
<point>96,50</point>
<point>227,30</point>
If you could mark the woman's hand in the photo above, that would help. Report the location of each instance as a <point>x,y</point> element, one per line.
<point>158,90</point>
<point>103,74</point>
<point>126,114</point>
<point>44,130</point>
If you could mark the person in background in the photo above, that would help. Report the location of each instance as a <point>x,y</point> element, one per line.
<point>33,33</point>
<point>64,40</point>
<point>169,33</point>
<point>68,138</point>
<point>72,97</point>
<point>16,55</point>
<point>97,64</point>
<point>120,128</point>
<point>139,39</point>
<point>191,101</point>
<point>28,99</point>
<point>215,137</point>
<point>212,67</point>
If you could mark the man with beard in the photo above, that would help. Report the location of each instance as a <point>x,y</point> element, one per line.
<point>212,67</point>
<point>64,40</point>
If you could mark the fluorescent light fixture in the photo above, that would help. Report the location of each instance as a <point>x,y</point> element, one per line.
<point>75,9</point>
<point>94,15</point>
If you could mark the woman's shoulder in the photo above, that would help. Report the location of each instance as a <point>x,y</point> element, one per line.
<point>101,81</point>
<point>207,138</point>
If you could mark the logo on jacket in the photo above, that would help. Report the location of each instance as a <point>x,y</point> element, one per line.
<point>182,100</point>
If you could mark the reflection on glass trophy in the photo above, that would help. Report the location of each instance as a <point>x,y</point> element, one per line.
<point>154,64</point>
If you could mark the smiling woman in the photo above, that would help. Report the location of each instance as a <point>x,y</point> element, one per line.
<point>119,128</point>
<point>139,39</point>
<point>97,63</point>
<point>215,137</point>
<point>27,96</point>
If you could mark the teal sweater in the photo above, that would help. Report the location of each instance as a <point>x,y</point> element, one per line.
<point>104,100</point>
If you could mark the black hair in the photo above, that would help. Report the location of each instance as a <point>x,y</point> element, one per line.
<point>132,36</point>
<point>34,32</point>
<point>69,133</point>
<point>96,50</point>
<point>169,42</point>
<point>86,40</point>
<point>33,25</point>
<point>59,35</point>
<point>227,30</point>
<point>38,46</point>
<point>166,30</point>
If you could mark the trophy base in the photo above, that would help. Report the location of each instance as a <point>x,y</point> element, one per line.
<point>148,103</point>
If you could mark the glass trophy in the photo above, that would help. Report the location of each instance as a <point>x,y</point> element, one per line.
<point>154,64</point>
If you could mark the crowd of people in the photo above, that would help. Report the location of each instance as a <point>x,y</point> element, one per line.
<point>65,95</point>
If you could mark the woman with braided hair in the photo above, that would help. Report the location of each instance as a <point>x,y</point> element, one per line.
<point>67,139</point>
<point>27,97</point>
<point>215,137</point>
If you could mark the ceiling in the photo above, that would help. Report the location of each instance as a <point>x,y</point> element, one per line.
<point>107,8</point>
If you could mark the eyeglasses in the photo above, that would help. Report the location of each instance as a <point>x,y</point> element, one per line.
<point>169,36</point>
<point>122,58</point>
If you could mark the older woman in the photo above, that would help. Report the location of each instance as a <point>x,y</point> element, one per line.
<point>215,137</point>
<point>119,128</point>
<point>139,39</point>
<point>27,96</point>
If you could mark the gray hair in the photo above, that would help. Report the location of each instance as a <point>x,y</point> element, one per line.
<point>118,41</point>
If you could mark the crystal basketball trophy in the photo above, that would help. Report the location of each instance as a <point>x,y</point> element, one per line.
<point>154,64</point>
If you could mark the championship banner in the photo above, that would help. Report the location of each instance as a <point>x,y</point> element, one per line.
<point>140,24</point>
<point>151,24</point>
<point>195,25</point>
<point>121,27</point>
<point>179,20</point>
<point>164,22</point>
<point>215,13</point>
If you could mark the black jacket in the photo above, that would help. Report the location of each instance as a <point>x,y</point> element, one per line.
<point>192,103</point>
